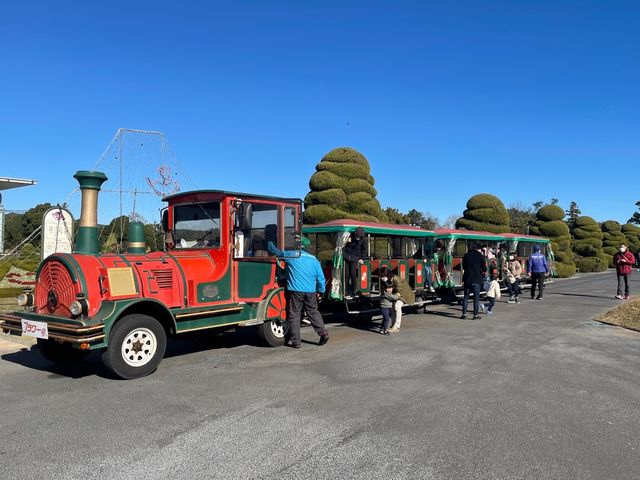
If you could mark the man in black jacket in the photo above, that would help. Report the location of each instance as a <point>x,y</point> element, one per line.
<point>354,254</point>
<point>474,267</point>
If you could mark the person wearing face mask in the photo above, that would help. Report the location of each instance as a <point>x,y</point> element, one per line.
<point>624,261</point>
<point>513,270</point>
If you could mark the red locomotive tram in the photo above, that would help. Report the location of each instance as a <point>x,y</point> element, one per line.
<point>215,272</point>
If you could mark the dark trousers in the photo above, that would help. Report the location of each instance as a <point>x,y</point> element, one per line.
<point>625,278</point>
<point>386,317</point>
<point>352,280</point>
<point>537,278</point>
<point>296,302</point>
<point>492,302</point>
<point>513,288</point>
<point>475,288</point>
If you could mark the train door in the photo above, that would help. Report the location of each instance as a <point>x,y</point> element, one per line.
<point>260,226</point>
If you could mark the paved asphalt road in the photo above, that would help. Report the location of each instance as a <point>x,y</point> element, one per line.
<point>537,391</point>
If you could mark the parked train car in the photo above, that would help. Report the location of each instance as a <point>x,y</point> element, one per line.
<point>406,250</point>
<point>451,245</point>
<point>522,245</point>
<point>215,273</point>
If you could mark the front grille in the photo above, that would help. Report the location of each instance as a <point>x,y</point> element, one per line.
<point>164,278</point>
<point>55,289</point>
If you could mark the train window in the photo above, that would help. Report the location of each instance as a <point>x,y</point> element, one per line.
<point>396,247</point>
<point>460,248</point>
<point>412,247</point>
<point>324,245</point>
<point>380,248</point>
<point>197,225</point>
<point>290,242</point>
<point>525,249</point>
<point>260,229</point>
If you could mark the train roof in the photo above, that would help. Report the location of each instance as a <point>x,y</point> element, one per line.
<point>525,238</point>
<point>231,194</point>
<point>346,225</point>
<point>479,235</point>
<point>476,234</point>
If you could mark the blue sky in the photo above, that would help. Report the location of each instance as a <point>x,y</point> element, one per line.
<point>528,100</point>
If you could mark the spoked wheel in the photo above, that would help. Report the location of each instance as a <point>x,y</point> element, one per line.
<point>275,327</point>
<point>61,353</point>
<point>136,346</point>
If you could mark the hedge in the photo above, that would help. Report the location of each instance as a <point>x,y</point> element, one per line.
<point>610,226</point>
<point>565,270</point>
<point>583,232</point>
<point>555,228</point>
<point>493,215</point>
<point>345,155</point>
<point>466,224</point>
<point>333,196</point>
<point>584,221</point>
<point>484,200</point>
<point>325,180</point>
<point>591,264</point>
<point>345,170</point>
<point>593,242</point>
<point>549,213</point>
<point>359,185</point>
<point>322,213</point>
<point>356,200</point>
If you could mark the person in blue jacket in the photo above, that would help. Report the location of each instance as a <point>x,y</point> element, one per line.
<point>538,269</point>
<point>305,285</point>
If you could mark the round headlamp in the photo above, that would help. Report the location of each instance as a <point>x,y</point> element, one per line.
<point>25,299</point>
<point>75,308</point>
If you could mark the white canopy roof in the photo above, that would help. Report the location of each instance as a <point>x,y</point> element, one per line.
<point>7,183</point>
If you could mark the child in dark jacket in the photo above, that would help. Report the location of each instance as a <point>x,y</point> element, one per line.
<point>386,305</point>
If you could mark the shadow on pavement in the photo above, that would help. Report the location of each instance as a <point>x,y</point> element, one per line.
<point>92,365</point>
<point>608,297</point>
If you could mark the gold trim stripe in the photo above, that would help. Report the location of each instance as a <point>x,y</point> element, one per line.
<point>208,312</point>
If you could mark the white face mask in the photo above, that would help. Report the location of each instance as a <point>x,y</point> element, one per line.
<point>384,279</point>
<point>622,249</point>
<point>512,258</point>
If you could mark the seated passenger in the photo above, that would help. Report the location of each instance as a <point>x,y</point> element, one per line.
<point>258,247</point>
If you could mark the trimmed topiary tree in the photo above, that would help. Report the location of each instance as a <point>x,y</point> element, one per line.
<point>342,187</point>
<point>549,224</point>
<point>485,212</point>
<point>632,233</point>
<point>587,245</point>
<point>612,237</point>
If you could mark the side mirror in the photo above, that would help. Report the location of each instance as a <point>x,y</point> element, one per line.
<point>244,216</point>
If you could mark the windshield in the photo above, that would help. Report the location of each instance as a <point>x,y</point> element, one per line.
<point>197,225</point>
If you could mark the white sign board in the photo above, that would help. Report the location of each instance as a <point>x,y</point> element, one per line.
<point>35,329</point>
<point>57,231</point>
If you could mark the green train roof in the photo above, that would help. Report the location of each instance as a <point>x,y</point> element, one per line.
<point>345,225</point>
<point>231,194</point>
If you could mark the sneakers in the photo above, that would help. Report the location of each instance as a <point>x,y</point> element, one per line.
<point>489,312</point>
<point>294,345</point>
<point>306,321</point>
<point>517,301</point>
<point>539,298</point>
<point>323,339</point>
<point>463,316</point>
<point>476,317</point>
<point>626,297</point>
<point>393,330</point>
<point>619,297</point>
<point>384,332</point>
<point>511,300</point>
<point>433,290</point>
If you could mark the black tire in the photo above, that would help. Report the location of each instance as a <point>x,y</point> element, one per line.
<point>273,333</point>
<point>136,347</point>
<point>61,353</point>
